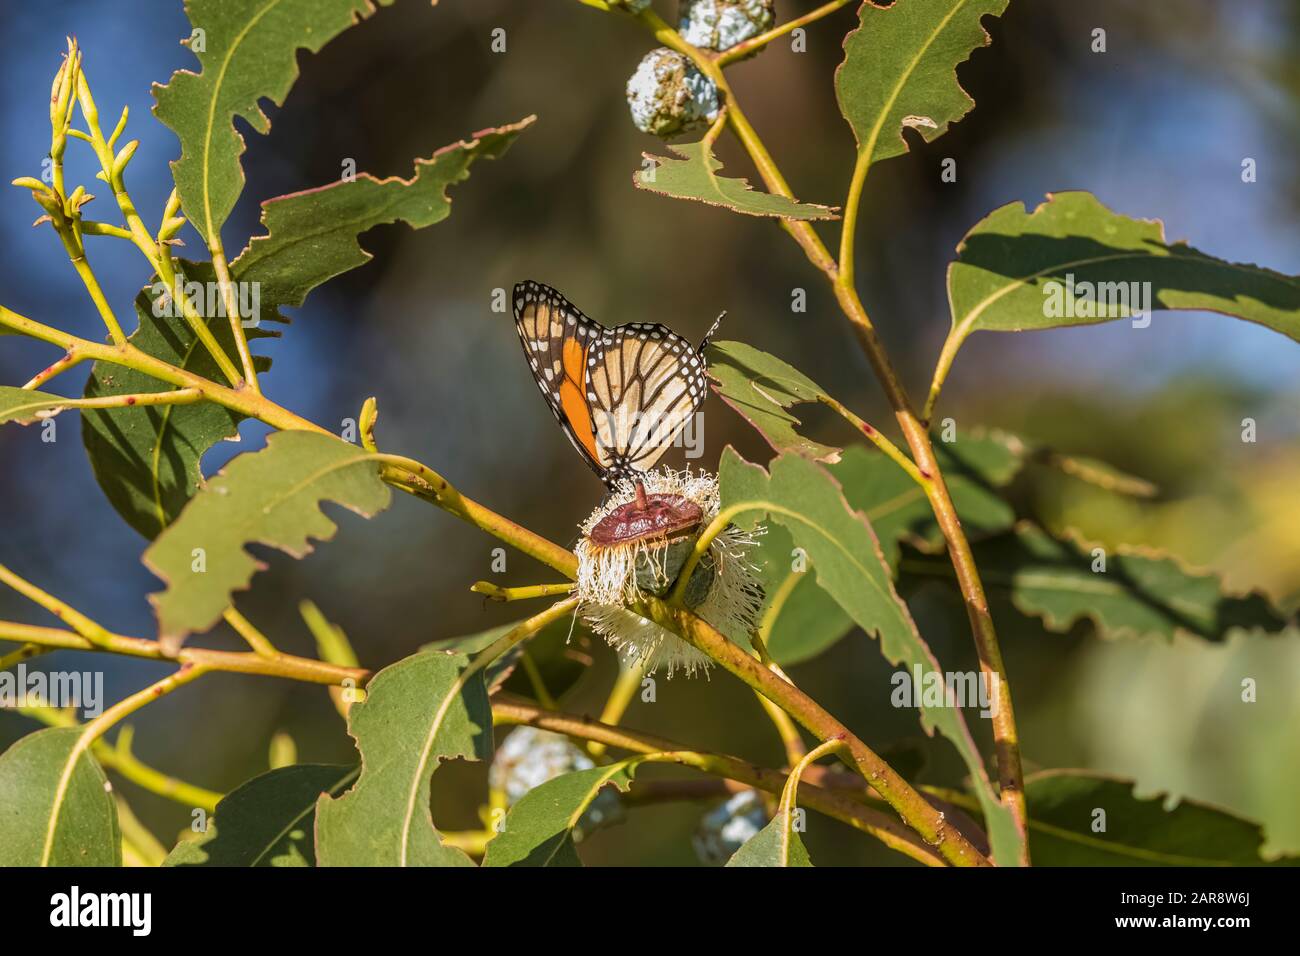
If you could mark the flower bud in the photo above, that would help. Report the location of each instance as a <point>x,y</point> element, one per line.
<point>721,24</point>
<point>667,95</point>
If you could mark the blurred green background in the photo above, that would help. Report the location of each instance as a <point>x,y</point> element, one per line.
<point>1157,126</point>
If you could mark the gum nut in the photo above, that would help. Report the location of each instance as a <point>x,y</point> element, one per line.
<point>667,95</point>
<point>721,24</point>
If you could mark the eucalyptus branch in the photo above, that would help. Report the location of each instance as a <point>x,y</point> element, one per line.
<point>113,167</point>
<point>69,360</point>
<point>431,486</point>
<point>180,396</point>
<point>285,665</point>
<point>112,171</point>
<point>791,789</point>
<point>753,44</point>
<point>251,635</point>
<point>791,739</point>
<point>232,311</point>
<point>84,626</point>
<point>620,697</point>
<point>877,439</point>
<point>494,592</point>
<point>509,710</point>
<point>897,792</point>
<point>840,275</point>
<point>24,653</point>
<point>404,473</point>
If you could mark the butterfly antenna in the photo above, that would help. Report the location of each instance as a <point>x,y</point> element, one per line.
<point>708,336</point>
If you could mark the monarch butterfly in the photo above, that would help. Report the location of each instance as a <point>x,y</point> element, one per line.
<point>621,395</point>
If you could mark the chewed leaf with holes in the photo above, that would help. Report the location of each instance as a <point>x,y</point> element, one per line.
<point>695,176</point>
<point>146,459</point>
<point>56,808</point>
<point>761,388</point>
<point>249,53</point>
<point>417,713</point>
<point>270,497</point>
<point>1139,831</point>
<point>268,821</point>
<point>899,70</point>
<point>844,555</point>
<point>25,406</point>
<point>539,829</point>
<point>1125,592</point>
<point>312,236</point>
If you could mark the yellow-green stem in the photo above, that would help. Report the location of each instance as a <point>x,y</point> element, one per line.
<point>509,710</point>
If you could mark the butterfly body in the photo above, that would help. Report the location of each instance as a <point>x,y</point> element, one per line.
<point>622,394</point>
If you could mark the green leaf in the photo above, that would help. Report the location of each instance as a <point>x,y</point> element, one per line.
<point>146,459</point>
<point>250,53</point>
<point>844,554</point>
<point>418,712</point>
<point>760,387</point>
<point>694,176</point>
<point>1063,807</point>
<point>975,468</point>
<point>1013,273</point>
<point>539,828</point>
<point>270,497</point>
<point>56,808</point>
<point>1141,592</point>
<point>800,620</point>
<point>312,236</point>
<point>25,406</point>
<point>267,821</point>
<point>899,70</point>
<point>777,844</point>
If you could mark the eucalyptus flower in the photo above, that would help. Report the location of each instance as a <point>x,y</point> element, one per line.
<point>635,545</point>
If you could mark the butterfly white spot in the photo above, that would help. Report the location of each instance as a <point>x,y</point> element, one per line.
<point>550,375</point>
<point>572,320</point>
